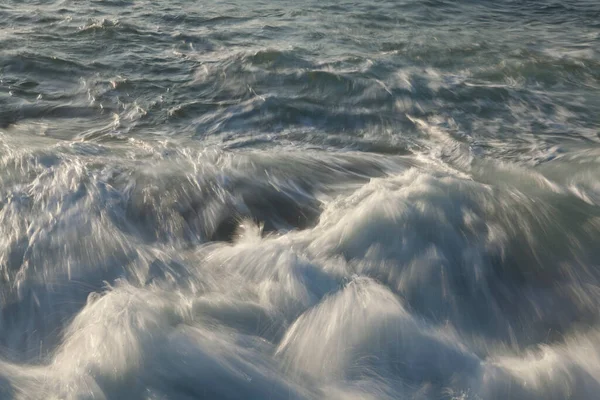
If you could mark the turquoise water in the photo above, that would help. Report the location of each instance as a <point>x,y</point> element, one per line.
<point>299,200</point>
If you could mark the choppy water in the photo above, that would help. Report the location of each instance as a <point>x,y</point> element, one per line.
<point>299,200</point>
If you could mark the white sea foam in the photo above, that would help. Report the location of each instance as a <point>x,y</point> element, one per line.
<point>417,283</point>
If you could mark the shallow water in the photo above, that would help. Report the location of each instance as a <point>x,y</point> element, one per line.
<point>299,200</point>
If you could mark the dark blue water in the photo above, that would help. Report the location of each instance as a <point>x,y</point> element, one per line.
<point>299,200</point>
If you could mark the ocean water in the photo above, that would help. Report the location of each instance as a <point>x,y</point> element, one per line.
<point>377,199</point>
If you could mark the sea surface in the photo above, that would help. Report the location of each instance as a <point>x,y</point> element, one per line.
<point>376,199</point>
